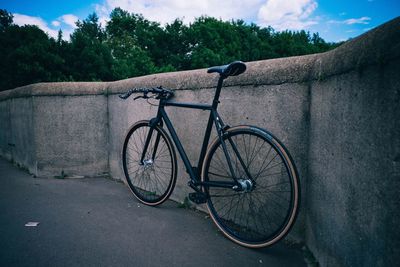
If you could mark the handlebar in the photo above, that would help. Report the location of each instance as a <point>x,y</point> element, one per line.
<point>158,93</point>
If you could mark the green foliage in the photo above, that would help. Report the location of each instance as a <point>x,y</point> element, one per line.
<point>131,55</point>
<point>130,45</point>
<point>6,19</point>
<point>62,175</point>
<point>28,56</point>
<point>90,57</point>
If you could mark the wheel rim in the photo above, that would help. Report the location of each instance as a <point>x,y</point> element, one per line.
<point>259,214</point>
<point>152,180</point>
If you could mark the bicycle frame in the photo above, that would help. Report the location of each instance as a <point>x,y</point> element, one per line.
<point>215,119</point>
<point>254,209</point>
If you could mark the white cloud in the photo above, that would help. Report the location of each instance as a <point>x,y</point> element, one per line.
<point>66,23</point>
<point>289,14</point>
<point>55,23</point>
<point>21,20</point>
<point>165,11</point>
<point>362,20</point>
<point>69,20</point>
<point>280,14</point>
<point>103,12</point>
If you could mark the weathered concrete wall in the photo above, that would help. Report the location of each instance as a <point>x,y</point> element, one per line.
<point>16,134</point>
<point>5,129</point>
<point>353,184</point>
<point>71,135</point>
<point>354,155</point>
<point>338,113</point>
<point>56,129</point>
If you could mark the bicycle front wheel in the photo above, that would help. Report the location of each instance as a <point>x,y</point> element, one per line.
<point>152,179</point>
<point>261,210</point>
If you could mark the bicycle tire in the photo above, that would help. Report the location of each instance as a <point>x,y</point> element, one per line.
<point>264,213</point>
<point>151,183</point>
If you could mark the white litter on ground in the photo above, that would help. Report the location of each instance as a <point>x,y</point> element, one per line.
<point>32,224</point>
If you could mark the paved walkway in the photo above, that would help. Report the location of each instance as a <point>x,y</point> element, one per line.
<point>97,222</point>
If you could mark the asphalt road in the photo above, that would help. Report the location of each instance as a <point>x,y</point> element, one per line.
<point>97,222</point>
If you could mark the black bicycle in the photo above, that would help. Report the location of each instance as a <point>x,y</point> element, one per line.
<point>246,176</point>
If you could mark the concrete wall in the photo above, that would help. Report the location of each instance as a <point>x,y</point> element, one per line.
<point>75,143</point>
<point>354,155</point>
<point>353,183</point>
<point>337,112</point>
<point>56,129</point>
<point>5,129</point>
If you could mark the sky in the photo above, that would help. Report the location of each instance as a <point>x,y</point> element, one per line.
<point>335,21</point>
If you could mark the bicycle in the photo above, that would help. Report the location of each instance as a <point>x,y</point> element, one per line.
<point>245,175</point>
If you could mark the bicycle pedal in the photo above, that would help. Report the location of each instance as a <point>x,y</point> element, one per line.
<point>198,197</point>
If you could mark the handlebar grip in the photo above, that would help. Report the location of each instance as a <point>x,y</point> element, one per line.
<point>131,91</point>
<point>126,95</point>
<point>162,92</point>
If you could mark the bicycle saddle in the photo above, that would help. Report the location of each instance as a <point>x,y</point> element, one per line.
<point>233,69</point>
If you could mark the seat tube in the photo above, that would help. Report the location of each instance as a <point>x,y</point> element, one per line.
<point>205,141</point>
<point>210,122</point>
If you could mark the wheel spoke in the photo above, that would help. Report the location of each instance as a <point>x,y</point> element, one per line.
<point>152,180</point>
<point>260,214</point>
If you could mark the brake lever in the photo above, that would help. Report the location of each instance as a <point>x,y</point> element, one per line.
<point>145,96</point>
<point>123,96</point>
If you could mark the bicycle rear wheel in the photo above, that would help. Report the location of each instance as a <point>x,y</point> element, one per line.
<point>263,209</point>
<point>153,179</point>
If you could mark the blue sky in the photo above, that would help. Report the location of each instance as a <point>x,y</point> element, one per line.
<point>334,20</point>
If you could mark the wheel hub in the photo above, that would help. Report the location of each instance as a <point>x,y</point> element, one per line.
<point>147,163</point>
<point>246,185</point>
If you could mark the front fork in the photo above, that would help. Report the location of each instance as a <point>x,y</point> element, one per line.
<point>153,123</point>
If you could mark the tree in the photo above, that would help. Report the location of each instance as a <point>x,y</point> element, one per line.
<point>175,46</point>
<point>90,57</point>
<point>6,19</point>
<point>28,56</point>
<point>212,42</point>
<point>320,45</point>
<point>131,58</point>
<point>131,45</point>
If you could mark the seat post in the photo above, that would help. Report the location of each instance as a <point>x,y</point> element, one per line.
<point>218,91</point>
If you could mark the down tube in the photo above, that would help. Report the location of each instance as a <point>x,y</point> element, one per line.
<point>178,145</point>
